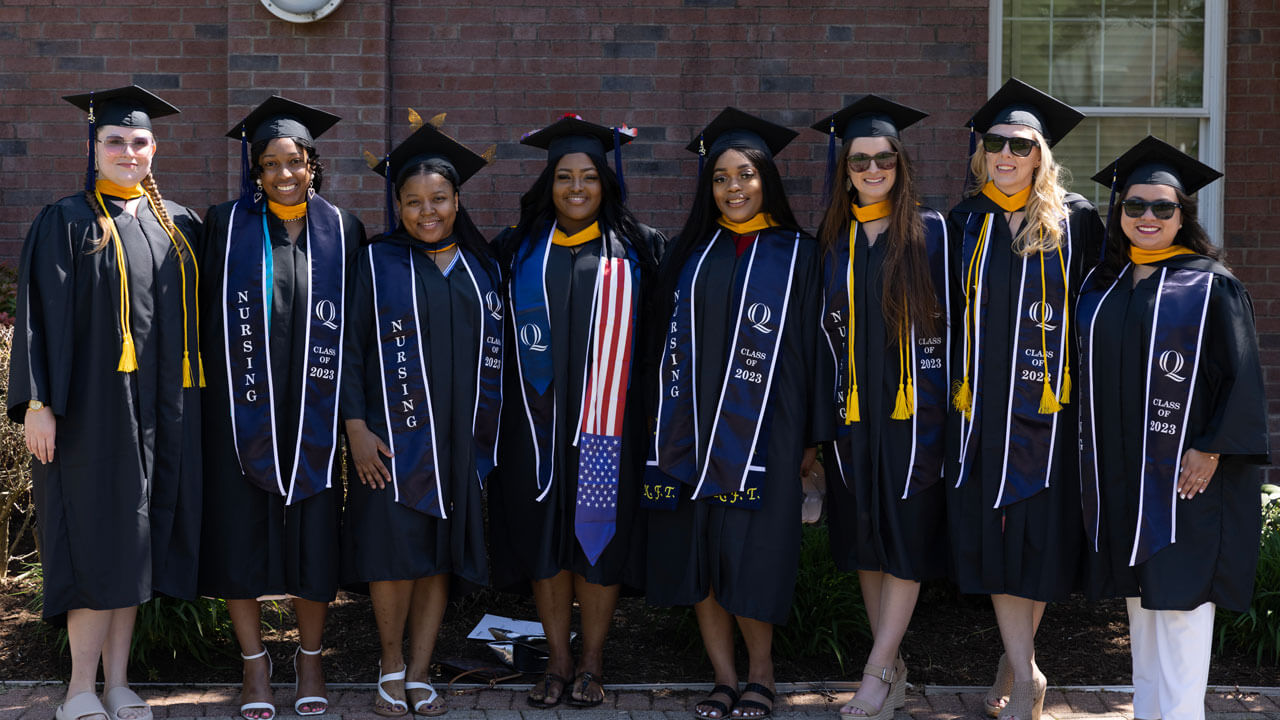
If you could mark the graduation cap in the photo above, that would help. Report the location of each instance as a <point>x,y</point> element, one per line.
<point>130,106</point>
<point>1017,103</point>
<point>427,142</point>
<point>1155,162</point>
<point>572,134</point>
<point>733,128</point>
<point>277,117</point>
<point>868,116</point>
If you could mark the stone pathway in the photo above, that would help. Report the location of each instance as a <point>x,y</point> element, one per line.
<point>354,702</point>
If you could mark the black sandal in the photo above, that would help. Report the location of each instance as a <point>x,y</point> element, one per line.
<point>724,710</point>
<point>547,679</point>
<point>582,683</point>
<point>763,692</point>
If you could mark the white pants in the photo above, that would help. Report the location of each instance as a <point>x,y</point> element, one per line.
<point>1170,660</point>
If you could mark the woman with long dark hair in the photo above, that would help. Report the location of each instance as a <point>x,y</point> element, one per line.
<point>885,292</point>
<point>1173,427</point>
<point>276,262</point>
<point>1021,243</point>
<point>573,432</point>
<point>421,394</point>
<point>740,409</point>
<point>104,376</point>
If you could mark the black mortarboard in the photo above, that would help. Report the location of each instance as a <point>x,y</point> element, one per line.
<point>1017,103</point>
<point>280,117</point>
<point>1155,162</point>
<point>571,134</point>
<point>870,116</point>
<point>129,106</point>
<point>733,128</point>
<point>429,142</point>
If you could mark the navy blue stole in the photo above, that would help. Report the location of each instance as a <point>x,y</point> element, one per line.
<point>305,469</point>
<point>1028,447</point>
<point>929,360</point>
<point>532,323</point>
<point>1173,364</point>
<point>734,463</point>
<point>406,390</point>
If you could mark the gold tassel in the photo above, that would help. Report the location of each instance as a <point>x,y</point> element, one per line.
<point>200,363</point>
<point>1064,392</point>
<point>962,399</point>
<point>128,358</point>
<point>186,369</point>
<point>900,411</point>
<point>853,413</point>
<point>911,397</point>
<point>1048,402</point>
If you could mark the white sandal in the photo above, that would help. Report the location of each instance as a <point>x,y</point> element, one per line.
<point>310,699</point>
<point>258,705</point>
<point>427,701</point>
<point>84,705</point>
<point>399,707</point>
<point>121,697</point>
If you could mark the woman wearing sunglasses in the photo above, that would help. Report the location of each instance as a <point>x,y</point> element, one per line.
<point>1173,427</point>
<point>1013,497</point>
<point>885,329</point>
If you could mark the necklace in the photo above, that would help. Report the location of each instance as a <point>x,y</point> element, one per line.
<point>294,220</point>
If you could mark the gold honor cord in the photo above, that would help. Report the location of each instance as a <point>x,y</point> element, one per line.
<point>962,400</point>
<point>128,357</point>
<point>187,380</point>
<point>905,405</point>
<point>852,413</point>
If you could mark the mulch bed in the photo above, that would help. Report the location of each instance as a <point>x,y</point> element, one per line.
<point>953,640</point>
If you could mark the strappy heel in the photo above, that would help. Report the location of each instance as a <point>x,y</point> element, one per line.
<point>998,696</point>
<point>1026,700</point>
<point>310,699</point>
<point>885,710</point>
<point>246,707</point>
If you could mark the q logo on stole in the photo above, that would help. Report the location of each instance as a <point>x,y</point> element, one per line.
<point>493,303</point>
<point>759,315</point>
<point>1041,313</point>
<point>327,314</point>
<point>1171,363</point>
<point>531,336</point>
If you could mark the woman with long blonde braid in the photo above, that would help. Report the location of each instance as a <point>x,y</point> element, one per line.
<point>105,377</point>
<point>1021,243</point>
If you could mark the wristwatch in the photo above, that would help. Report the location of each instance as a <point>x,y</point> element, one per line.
<point>35,405</point>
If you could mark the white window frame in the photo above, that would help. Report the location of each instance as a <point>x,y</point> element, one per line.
<point>1212,115</point>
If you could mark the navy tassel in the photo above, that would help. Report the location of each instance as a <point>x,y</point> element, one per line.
<point>391,206</point>
<point>617,163</point>
<point>968,171</point>
<point>702,155</point>
<point>831,159</point>
<point>1111,206</point>
<point>246,185</point>
<point>89,175</point>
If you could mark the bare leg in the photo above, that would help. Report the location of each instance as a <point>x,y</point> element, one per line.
<point>87,631</point>
<point>246,618</point>
<point>430,598</point>
<point>871,582</point>
<point>1016,618</point>
<point>311,615</point>
<point>759,639</point>
<point>716,626</point>
<point>115,656</point>
<point>391,601</point>
<point>596,604</point>
<point>896,601</point>
<point>554,599</point>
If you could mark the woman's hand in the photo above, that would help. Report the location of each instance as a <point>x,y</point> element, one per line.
<point>806,460</point>
<point>1197,471</point>
<point>40,428</point>
<point>365,447</point>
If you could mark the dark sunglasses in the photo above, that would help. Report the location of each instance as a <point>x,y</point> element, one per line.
<point>862,162</point>
<point>1021,147</point>
<point>1162,209</point>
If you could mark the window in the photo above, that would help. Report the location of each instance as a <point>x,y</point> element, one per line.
<point>1134,67</point>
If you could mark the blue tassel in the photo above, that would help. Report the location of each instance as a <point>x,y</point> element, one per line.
<point>89,175</point>
<point>391,206</point>
<point>1111,206</point>
<point>617,163</point>
<point>968,168</point>
<point>831,159</point>
<point>246,185</point>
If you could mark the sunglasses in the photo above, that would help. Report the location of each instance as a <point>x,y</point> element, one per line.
<point>861,162</point>
<point>1162,209</point>
<point>1021,147</point>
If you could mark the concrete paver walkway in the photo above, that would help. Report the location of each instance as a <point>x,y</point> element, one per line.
<point>354,702</point>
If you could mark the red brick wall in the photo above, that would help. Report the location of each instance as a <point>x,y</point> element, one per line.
<point>502,69</point>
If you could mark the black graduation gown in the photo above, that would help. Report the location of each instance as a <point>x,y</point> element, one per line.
<point>1029,549</point>
<point>532,540</point>
<point>253,546</point>
<point>748,558</point>
<point>1216,553</point>
<point>119,506</point>
<point>871,526</point>
<point>381,538</point>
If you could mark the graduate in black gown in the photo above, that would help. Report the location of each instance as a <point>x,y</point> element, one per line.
<point>104,375</point>
<point>1020,243</point>
<point>884,321</point>
<point>562,517</point>
<point>421,396</point>
<point>276,262</point>
<point>1173,427</point>
<point>740,409</point>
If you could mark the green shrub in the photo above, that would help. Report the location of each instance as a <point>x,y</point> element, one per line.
<point>1258,631</point>
<point>828,618</point>
<point>16,504</point>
